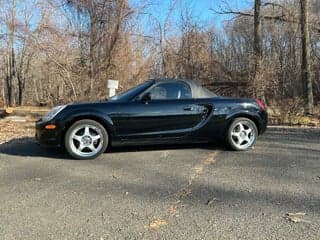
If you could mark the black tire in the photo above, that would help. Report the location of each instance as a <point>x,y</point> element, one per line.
<point>233,141</point>
<point>77,138</point>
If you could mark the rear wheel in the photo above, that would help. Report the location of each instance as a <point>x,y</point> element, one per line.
<point>242,134</point>
<point>86,139</point>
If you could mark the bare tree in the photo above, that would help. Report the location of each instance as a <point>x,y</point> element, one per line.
<point>11,64</point>
<point>67,51</point>
<point>105,21</point>
<point>305,57</point>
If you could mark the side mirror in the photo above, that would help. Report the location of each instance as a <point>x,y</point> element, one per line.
<point>146,98</point>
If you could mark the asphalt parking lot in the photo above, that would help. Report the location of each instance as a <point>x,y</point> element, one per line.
<point>177,192</point>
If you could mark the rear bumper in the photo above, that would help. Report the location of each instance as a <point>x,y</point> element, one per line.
<point>263,122</point>
<point>48,138</point>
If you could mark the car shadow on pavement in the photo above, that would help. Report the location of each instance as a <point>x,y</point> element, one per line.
<point>159,147</point>
<point>28,147</point>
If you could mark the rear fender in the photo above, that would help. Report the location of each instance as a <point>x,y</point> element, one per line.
<point>252,115</point>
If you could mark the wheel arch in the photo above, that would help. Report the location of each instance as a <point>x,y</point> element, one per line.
<point>254,118</point>
<point>106,122</point>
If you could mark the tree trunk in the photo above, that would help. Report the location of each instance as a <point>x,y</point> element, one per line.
<point>10,71</point>
<point>258,82</point>
<point>92,72</point>
<point>257,45</point>
<point>21,85</point>
<point>305,58</point>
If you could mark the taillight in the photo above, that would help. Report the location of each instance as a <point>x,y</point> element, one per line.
<point>261,104</point>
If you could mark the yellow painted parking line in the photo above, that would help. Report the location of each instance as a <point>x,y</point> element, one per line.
<point>183,192</point>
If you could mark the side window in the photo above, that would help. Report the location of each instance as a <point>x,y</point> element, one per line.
<point>167,91</point>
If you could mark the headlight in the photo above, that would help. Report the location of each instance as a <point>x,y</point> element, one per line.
<point>53,112</point>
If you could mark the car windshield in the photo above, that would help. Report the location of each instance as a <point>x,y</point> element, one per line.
<point>131,92</point>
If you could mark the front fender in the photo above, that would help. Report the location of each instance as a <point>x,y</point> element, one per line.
<point>72,116</point>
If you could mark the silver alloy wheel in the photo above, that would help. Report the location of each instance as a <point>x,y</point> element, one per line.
<point>243,135</point>
<point>86,140</point>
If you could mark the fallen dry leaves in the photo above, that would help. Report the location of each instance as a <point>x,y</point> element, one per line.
<point>295,217</point>
<point>198,170</point>
<point>156,224</point>
<point>13,128</point>
<point>183,193</point>
<point>172,210</point>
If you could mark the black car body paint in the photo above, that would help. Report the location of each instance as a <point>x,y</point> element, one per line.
<point>130,120</point>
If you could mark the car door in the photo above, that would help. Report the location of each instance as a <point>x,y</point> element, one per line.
<point>170,112</point>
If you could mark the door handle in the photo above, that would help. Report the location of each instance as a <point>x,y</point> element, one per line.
<point>188,108</point>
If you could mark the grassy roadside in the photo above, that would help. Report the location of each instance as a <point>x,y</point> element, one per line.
<point>292,117</point>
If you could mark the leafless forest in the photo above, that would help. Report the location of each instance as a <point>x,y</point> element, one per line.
<point>57,51</point>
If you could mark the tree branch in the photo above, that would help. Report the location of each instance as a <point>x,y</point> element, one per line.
<point>280,18</point>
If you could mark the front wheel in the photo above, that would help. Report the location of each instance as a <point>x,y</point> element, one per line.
<point>242,134</point>
<point>86,139</point>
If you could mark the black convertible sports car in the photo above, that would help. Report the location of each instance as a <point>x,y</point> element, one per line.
<point>155,112</point>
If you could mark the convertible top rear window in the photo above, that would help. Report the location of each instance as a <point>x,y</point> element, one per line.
<point>199,91</point>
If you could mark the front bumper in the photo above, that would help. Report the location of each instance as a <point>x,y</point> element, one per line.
<point>48,138</point>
